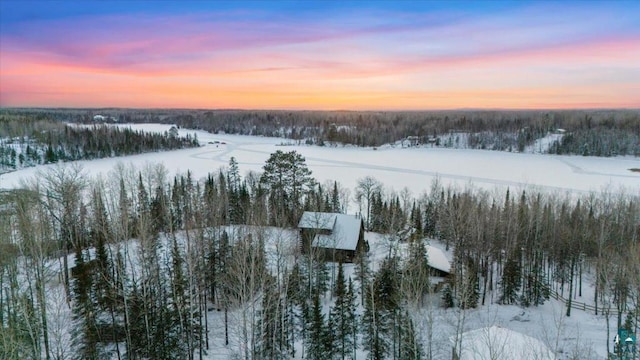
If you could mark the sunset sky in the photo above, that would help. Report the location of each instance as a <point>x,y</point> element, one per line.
<point>360,55</point>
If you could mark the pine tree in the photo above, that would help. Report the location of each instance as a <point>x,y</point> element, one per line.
<point>352,319</point>
<point>537,290</point>
<point>317,348</point>
<point>342,317</point>
<point>288,178</point>
<point>236,213</point>
<point>363,274</point>
<point>430,223</point>
<point>409,345</point>
<point>470,294</point>
<point>179,322</point>
<point>101,235</point>
<point>85,311</point>
<point>295,300</point>
<point>381,305</point>
<point>511,279</point>
<point>159,211</point>
<point>335,199</point>
<point>416,272</point>
<point>270,343</point>
<point>316,274</point>
<point>447,296</point>
<point>416,222</point>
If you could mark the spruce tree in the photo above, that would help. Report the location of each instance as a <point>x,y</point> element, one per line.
<point>270,344</point>
<point>510,282</point>
<point>335,199</point>
<point>447,296</point>
<point>409,345</point>
<point>317,348</point>
<point>342,317</point>
<point>85,335</point>
<point>362,274</point>
<point>381,305</point>
<point>416,272</point>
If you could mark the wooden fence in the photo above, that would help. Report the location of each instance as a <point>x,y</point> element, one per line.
<point>581,305</point>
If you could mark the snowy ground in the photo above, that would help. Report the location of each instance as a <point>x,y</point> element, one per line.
<point>414,168</point>
<point>583,335</point>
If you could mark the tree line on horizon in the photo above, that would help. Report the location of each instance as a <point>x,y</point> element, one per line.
<point>588,132</point>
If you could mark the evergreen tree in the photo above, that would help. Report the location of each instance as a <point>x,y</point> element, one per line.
<point>319,335</point>
<point>316,274</point>
<point>296,298</point>
<point>381,305</point>
<point>160,212</point>
<point>236,212</point>
<point>537,290</point>
<point>288,178</point>
<point>179,322</point>
<point>101,235</point>
<point>511,279</point>
<point>85,335</point>
<point>335,199</point>
<point>470,294</point>
<point>415,280</point>
<point>447,296</point>
<point>416,222</point>
<point>363,274</point>
<point>270,343</point>
<point>409,345</point>
<point>342,317</point>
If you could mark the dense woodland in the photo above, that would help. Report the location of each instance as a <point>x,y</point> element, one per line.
<point>27,141</point>
<point>589,132</point>
<point>203,246</point>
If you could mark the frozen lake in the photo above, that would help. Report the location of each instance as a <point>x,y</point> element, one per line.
<point>396,167</point>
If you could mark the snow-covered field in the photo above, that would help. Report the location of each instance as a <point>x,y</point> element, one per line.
<point>396,167</point>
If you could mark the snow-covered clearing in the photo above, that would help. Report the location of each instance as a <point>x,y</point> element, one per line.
<point>396,167</point>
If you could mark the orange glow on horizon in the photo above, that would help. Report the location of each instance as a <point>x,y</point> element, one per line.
<point>303,75</point>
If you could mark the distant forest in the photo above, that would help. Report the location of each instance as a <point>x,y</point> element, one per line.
<point>585,132</point>
<point>31,140</point>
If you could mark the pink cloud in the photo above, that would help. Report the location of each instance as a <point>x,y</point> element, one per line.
<point>203,61</point>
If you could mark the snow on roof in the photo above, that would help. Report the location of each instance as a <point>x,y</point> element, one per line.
<point>317,220</point>
<point>437,259</point>
<point>345,229</point>
<point>498,343</point>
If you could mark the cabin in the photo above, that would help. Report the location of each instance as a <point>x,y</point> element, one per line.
<point>335,237</point>
<point>498,343</point>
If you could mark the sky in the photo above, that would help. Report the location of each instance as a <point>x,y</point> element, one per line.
<point>328,55</point>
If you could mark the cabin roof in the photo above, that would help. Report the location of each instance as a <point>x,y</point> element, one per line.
<point>345,229</point>
<point>437,259</point>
